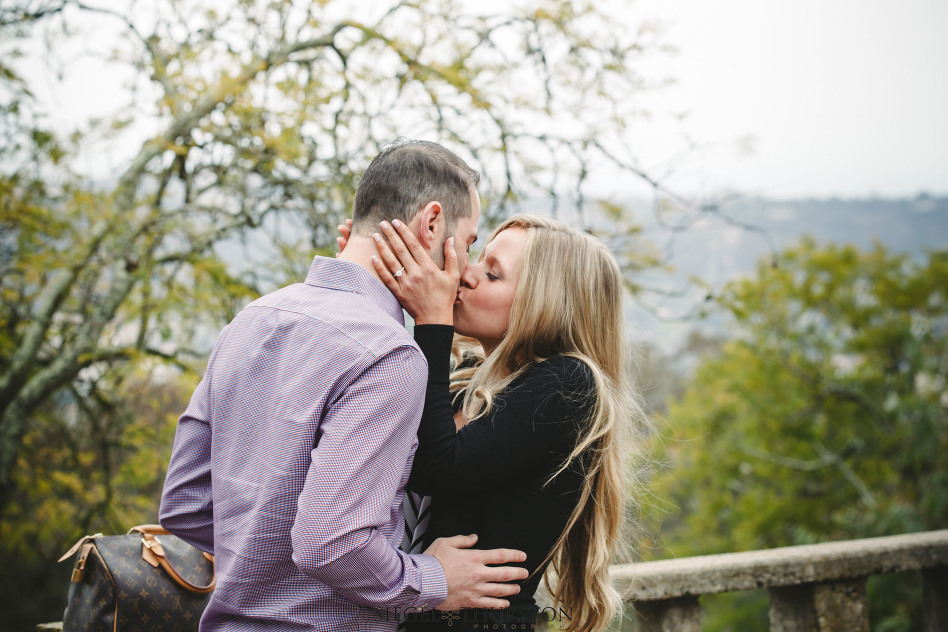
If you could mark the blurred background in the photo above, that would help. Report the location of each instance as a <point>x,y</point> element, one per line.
<point>773,179</point>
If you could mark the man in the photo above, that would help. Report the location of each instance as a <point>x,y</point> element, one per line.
<point>291,459</point>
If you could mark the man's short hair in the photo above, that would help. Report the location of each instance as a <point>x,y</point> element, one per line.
<point>406,176</point>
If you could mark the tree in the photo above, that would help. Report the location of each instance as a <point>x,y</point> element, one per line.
<point>128,240</point>
<point>90,463</point>
<point>824,417</point>
<point>266,113</point>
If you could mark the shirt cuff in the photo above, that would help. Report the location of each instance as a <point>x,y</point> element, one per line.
<point>434,585</point>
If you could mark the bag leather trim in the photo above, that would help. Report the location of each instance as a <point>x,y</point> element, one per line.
<point>153,553</point>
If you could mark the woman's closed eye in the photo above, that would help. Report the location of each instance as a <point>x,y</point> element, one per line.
<point>493,277</point>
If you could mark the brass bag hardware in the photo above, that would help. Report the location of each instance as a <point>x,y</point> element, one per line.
<point>80,566</point>
<point>115,577</point>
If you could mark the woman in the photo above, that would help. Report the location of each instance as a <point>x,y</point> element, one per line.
<point>529,452</point>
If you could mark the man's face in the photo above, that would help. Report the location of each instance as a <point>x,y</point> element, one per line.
<point>465,232</point>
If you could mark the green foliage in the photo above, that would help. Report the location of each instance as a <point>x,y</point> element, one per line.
<point>92,461</point>
<point>266,113</point>
<point>824,418</point>
<point>232,160</point>
<point>735,612</point>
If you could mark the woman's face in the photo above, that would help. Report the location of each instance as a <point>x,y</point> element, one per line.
<point>482,309</point>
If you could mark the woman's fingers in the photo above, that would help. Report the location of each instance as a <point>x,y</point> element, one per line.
<point>396,242</point>
<point>391,262</point>
<point>418,252</point>
<point>451,260</point>
<point>345,231</point>
<point>385,275</point>
<point>425,291</point>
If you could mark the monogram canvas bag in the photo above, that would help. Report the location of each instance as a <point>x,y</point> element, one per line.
<point>137,583</point>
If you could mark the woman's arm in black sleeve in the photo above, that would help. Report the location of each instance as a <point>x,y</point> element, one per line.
<point>534,423</point>
<point>436,433</point>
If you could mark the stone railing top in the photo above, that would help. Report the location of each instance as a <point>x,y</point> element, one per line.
<point>787,566</point>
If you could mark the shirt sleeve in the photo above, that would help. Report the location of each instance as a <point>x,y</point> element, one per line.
<point>533,424</point>
<point>358,464</point>
<point>187,508</point>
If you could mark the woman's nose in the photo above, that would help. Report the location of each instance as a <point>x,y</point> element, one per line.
<point>468,277</point>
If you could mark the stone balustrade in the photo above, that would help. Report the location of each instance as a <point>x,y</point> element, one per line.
<point>813,588</point>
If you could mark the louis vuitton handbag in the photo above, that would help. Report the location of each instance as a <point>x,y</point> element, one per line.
<point>137,583</point>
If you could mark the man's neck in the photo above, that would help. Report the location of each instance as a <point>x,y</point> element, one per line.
<point>360,250</point>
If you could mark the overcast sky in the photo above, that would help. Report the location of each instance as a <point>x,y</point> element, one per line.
<point>801,98</point>
<point>808,97</point>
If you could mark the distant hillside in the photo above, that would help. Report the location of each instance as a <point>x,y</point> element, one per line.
<point>716,251</point>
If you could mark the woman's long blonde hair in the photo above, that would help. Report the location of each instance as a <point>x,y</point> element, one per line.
<point>569,302</point>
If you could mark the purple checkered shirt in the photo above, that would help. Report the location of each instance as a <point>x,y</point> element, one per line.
<point>291,460</point>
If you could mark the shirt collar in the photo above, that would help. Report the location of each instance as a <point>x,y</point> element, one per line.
<point>345,276</point>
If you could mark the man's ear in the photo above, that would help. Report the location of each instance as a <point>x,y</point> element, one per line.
<point>430,228</point>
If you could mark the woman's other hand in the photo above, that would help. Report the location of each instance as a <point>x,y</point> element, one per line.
<point>345,230</point>
<point>426,292</point>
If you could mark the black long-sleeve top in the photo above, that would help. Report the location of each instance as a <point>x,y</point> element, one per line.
<point>489,477</point>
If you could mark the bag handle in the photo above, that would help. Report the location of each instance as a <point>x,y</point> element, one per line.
<point>154,529</point>
<point>75,547</point>
<point>142,528</point>
<point>154,554</point>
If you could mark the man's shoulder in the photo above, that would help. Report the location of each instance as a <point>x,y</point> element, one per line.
<point>338,316</point>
